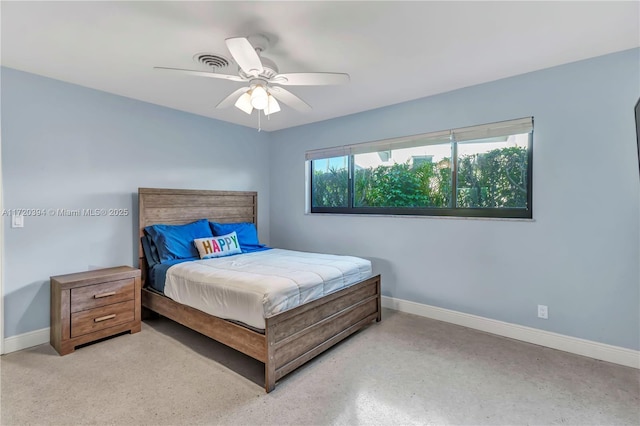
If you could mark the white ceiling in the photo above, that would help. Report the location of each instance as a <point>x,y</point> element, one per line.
<point>394,51</point>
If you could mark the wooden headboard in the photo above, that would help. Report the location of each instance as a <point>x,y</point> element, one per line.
<point>178,206</point>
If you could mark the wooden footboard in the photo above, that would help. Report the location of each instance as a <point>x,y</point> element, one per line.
<point>296,336</point>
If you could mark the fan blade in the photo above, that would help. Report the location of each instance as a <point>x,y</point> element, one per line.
<point>289,98</point>
<point>245,55</point>
<point>232,98</point>
<point>203,73</point>
<point>310,79</point>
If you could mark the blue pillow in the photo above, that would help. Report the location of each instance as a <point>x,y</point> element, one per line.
<point>176,241</point>
<point>246,232</point>
<point>150,254</point>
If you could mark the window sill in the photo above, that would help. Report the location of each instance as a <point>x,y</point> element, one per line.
<point>500,219</point>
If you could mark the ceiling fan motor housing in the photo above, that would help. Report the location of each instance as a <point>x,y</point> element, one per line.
<point>270,70</point>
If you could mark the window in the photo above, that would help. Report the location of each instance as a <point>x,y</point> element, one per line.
<point>482,171</point>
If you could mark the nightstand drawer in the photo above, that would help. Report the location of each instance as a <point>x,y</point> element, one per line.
<point>104,317</point>
<point>93,296</point>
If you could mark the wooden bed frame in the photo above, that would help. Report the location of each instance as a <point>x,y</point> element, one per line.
<point>290,338</point>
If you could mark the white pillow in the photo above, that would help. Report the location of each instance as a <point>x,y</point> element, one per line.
<point>223,245</point>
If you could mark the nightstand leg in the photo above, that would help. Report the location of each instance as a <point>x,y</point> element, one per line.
<point>66,349</point>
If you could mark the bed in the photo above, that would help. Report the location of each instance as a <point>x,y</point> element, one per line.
<point>289,338</point>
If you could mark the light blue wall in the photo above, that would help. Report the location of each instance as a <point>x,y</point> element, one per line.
<point>65,146</point>
<point>580,255</point>
<point>69,147</point>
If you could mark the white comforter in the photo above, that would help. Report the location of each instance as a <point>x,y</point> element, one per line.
<point>254,286</point>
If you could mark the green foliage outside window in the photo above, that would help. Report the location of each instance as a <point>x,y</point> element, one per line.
<point>400,185</point>
<point>330,189</point>
<point>495,179</point>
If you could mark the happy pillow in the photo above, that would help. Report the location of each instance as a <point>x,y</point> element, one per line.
<point>224,245</point>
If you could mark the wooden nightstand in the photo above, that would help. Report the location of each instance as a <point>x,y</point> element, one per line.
<point>91,305</point>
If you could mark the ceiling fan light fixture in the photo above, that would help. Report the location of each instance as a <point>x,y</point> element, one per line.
<point>259,98</point>
<point>244,102</point>
<point>273,106</point>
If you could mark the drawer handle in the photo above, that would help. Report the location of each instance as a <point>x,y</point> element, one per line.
<point>104,318</point>
<point>99,296</point>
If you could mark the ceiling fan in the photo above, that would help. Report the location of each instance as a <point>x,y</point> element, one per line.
<point>263,90</point>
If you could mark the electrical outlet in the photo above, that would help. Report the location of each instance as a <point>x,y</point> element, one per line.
<point>543,312</point>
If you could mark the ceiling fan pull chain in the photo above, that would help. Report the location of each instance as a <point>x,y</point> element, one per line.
<point>259,128</point>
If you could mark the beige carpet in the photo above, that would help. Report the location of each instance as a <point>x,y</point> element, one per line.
<point>405,370</point>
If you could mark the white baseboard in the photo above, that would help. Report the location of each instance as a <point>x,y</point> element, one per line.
<point>26,340</point>
<point>601,351</point>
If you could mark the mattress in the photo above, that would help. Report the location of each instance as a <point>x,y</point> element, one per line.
<point>251,287</point>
